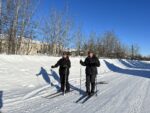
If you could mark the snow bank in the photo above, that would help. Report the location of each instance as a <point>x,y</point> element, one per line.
<point>23,78</point>
<point>18,71</point>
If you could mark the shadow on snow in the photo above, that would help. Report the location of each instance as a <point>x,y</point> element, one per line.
<point>47,77</point>
<point>135,64</point>
<point>1,99</point>
<point>135,72</point>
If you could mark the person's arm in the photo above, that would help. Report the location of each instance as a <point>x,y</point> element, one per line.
<point>97,62</point>
<point>69,64</point>
<point>57,64</point>
<point>85,63</point>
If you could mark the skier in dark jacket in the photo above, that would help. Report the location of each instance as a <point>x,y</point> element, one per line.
<point>64,65</point>
<point>91,63</point>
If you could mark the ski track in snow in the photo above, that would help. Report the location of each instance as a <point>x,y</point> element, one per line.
<point>127,89</point>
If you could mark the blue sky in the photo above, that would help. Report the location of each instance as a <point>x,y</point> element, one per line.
<point>130,19</point>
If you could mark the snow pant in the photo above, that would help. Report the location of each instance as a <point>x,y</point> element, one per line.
<point>64,83</point>
<point>90,82</point>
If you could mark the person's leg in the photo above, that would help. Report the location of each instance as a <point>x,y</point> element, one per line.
<point>67,84</point>
<point>88,83</point>
<point>62,82</point>
<point>93,83</point>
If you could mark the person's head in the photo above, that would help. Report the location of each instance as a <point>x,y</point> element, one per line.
<point>90,54</point>
<point>65,55</point>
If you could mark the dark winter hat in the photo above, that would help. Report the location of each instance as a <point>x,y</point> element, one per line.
<point>90,51</point>
<point>66,53</point>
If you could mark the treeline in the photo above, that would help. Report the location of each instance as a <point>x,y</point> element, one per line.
<point>57,32</point>
<point>16,22</point>
<point>19,28</point>
<point>106,45</point>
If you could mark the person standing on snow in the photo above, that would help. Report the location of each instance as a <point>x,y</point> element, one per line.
<point>91,63</point>
<point>64,66</point>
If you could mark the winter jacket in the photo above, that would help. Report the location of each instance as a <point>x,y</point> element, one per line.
<point>91,65</point>
<point>64,64</point>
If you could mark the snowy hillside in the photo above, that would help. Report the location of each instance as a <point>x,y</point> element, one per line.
<point>123,86</point>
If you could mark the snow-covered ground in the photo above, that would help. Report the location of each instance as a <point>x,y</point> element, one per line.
<point>126,88</point>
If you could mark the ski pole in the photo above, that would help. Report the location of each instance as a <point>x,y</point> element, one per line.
<point>65,80</point>
<point>80,73</point>
<point>96,85</point>
<point>80,77</point>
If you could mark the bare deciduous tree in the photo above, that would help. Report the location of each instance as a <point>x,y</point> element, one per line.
<point>16,21</point>
<point>78,40</point>
<point>56,31</point>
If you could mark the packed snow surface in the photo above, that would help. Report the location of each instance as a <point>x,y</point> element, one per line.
<point>25,82</point>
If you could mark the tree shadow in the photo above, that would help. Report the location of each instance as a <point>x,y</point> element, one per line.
<point>126,64</point>
<point>139,64</point>
<point>46,77</point>
<point>135,64</point>
<point>1,99</point>
<point>135,72</point>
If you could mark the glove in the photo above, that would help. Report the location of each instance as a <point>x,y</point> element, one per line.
<point>81,62</point>
<point>52,66</point>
